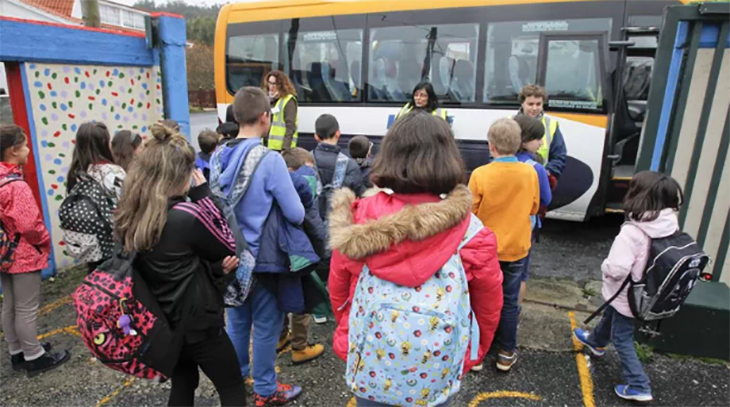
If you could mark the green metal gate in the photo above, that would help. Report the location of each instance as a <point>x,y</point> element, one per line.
<point>686,133</point>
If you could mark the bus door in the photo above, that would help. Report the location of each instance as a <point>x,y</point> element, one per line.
<point>631,83</point>
<point>572,68</point>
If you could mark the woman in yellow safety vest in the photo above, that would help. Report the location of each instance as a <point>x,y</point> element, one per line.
<point>284,112</point>
<point>424,98</point>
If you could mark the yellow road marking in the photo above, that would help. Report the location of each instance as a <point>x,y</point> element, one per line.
<point>485,396</point>
<point>116,392</point>
<point>586,382</point>
<point>58,303</point>
<point>503,394</point>
<point>69,330</point>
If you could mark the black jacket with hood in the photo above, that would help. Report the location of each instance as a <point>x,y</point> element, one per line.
<point>184,270</point>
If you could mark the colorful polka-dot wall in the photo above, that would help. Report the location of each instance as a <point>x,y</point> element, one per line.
<point>63,97</point>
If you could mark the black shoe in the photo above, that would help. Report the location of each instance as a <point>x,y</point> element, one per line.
<point>18,361</point>
<point>47,362</point>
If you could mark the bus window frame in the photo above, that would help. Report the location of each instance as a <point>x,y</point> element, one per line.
<point>252,29</point>
<point>449,16</point>
<point>321,24</point>
<point>603,76</point>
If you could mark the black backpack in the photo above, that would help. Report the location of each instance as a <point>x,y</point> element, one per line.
<point>87,220</point>
<point>675,264</point>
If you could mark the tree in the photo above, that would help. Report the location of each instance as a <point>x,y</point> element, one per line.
<point>200,20</point>
<point>200,67</point>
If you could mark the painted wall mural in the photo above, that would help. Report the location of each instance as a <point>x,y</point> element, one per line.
<point>64,96</point>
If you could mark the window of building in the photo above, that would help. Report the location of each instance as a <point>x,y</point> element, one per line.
<point>401,57</point>
<point>132,20</point>
<point>110,15</point>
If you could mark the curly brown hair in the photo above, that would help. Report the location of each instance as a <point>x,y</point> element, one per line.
<point>285,85</point>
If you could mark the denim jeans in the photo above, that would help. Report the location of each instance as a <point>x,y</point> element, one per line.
<point>262,312</point>
<point>619,330</point>
<point>507,331</point>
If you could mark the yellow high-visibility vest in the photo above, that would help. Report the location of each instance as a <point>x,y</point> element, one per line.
<point>407,109</point>
<point>278,126</point>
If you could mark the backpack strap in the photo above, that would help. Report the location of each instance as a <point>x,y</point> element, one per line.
<point>10,178</point>
<point>338,179</point>
<point>251,162</point>
<point>475,226</point>
<point>609,301</point>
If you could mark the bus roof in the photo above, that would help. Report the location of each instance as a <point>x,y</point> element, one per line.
<point>283,9</point>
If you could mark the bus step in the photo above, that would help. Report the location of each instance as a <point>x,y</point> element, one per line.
<point>614,207</point>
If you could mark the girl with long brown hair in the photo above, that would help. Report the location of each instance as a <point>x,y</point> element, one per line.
<point>125,145</point>
<point>185,252</point>
<point>283,133</point>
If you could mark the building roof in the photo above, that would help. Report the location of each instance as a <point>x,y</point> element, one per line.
<point>64,9</point>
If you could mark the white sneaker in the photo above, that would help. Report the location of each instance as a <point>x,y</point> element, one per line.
<point>478,368</point>
<point>319,319</point>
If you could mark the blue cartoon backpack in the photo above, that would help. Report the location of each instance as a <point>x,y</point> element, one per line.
<point>408,345</point>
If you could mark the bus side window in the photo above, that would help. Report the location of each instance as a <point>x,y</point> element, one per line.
<point>400,57</point>
<point>512,53</point>
<point>321,65</point>
<point>249,58</point>
<point>572,71</point>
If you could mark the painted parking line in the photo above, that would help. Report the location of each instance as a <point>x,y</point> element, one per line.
<point>128,382</point>
<point>586,381</point>
<point>503,395</point>
<point>48,308</point>
<point>68,330</point>
<point>56,304</point>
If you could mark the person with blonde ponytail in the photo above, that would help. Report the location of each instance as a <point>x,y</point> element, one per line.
<point>185,252</point>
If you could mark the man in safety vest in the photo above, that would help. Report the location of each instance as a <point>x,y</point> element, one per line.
<point>284,116</point>
<point>553,151</point>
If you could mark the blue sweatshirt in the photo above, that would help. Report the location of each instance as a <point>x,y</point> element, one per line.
<point>546,194</point>
<point>270,182</point>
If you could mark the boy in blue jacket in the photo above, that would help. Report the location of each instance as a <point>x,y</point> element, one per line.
<point>300,162</point>
<point>269,182</point>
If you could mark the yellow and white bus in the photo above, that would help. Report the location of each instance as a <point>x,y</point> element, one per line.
<point>360,60</point>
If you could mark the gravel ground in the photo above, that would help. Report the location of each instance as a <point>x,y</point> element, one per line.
<point>567,251</point>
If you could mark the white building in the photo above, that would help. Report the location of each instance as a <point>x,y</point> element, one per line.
<point>114,16</point>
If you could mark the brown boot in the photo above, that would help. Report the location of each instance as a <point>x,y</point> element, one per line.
<point>311,352</point>
<point>284,340</point>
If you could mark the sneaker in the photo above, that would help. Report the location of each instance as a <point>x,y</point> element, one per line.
<point>627,392</point>
<point>478,368</point>
<point>307,354</point>
<point>284,394</point>
<point>319,319</point>
<point>18,361</point>
<point>283,342</point>
<point>47,362</point>
<point>505,360</point>
<point>582,336</point>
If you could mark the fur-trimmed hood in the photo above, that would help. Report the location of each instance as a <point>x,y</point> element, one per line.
<point>402,238</point>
